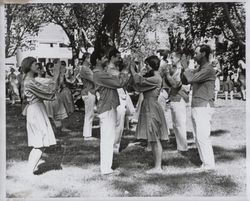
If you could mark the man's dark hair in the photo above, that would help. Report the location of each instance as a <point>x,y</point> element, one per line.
<point>188,52</point>
<point>97,54</point>
<point>163,53</point>
<point>85,55</point>
<point>153,61</point>
<point>63,63</point>
<point>206,49</point>
<point>113,52</point>
<point>47,68</point>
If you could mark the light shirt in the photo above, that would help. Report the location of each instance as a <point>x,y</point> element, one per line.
<point>86,75</point>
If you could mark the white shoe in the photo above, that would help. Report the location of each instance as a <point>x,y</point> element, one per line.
<point>205,168</point>
<point>154,171</point>
<point>107,172</point>
<point>111,172</point>
<point>90,138</point>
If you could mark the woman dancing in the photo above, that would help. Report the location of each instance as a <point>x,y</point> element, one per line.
<point>151,123</point>
<point>39,130</point>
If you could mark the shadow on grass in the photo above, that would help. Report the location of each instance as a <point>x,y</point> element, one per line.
<point>211,183</point>
<point>138,155</point>
<point>193,157</point>
<point>224,155</point>
<point>200,184</point>
<point>221,155</point>
<point>77,151</point>
<point>127,188</point>
<point>216,133</point>
<point>48,166</point>
<point>219,132</point>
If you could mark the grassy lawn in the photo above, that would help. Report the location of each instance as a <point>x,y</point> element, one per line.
<point>71,168</point>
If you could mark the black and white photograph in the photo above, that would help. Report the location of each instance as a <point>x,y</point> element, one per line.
<point>123,99</point>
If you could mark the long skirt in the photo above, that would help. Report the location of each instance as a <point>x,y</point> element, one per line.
<point>39,129</point>
<point>151,122</point>
<point>67,99</point>
<point>55,109</point>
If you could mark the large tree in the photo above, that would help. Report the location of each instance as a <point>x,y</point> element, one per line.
<point>79,22</point>
<point>22,22</point>
<point>215,19</point>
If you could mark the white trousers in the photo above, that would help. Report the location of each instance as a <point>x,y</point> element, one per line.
<point>201,119</point>
<point>163,96</point>
<point>89,103</point>
<point>178,112</point>
<point>121,111</point>
<point>107,124</point>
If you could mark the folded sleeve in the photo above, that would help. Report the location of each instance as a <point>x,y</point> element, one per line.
<point>42,91</point>
<point>86,73</point>
<point>110,81</point>
<point>201,76</point>
<point>144,84</point>
<point>174,80</point>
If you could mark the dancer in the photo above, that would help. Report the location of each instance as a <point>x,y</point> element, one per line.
<point>227,81</point>
<point>13,89</point>
<point>64,92</point>
<point>178,96</point>
<point>106,86</point>
<point>216,66</point>
<point>40,132</point>
<point>112,68</point>
<point>88,96</point>
<point>203,83</point>
<point>56,109</point>
<point>151,123</point>
<point>241,74</point>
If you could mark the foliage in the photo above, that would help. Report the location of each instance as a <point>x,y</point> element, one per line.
<point>22,22</point>
<point>108,30</point>
<point>79,22</point>
<point>133,27</point>
<point>137,27</point>
<point>216,20</point>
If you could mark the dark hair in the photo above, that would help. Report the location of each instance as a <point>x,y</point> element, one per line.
<point>177,52</point>
<point>39,66</point>
<point>113,52</point>
<point>153,61</point>
<point>97,54</point>
<point>63,63</point>
<point>85,55</point>
<point>163,53</point>
<point>188,52</point>
<point>27,63</point>
<point>48,65</point>
<point>206,49</point>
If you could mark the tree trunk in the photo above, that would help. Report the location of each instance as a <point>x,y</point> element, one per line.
<point>109,28</point>
<point>231,26</point>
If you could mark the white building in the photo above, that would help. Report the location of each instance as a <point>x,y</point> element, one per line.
<point>49,44</point>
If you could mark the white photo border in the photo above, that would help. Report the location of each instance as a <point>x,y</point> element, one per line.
<point>3,106</point>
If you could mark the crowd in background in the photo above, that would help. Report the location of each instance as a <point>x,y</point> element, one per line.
<point>230,80</point>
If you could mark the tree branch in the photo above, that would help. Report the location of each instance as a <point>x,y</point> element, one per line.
<point>225,35</point>
<point>230,24</point>
<point>86,37</point>
<point>122,29</point>
<point>239,18</point>
<point>137,30</point>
